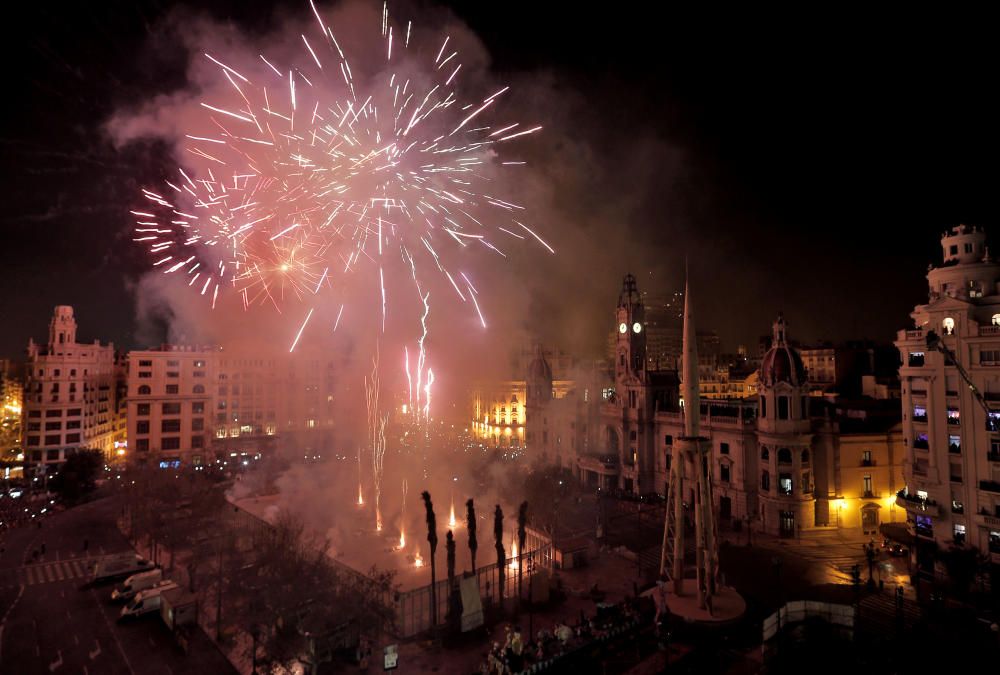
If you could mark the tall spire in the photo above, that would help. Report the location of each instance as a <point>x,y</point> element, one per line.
<point>689,367</point>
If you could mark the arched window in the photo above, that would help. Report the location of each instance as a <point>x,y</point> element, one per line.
<point>765,481</point>
<point>763,406</point>
<point>764,455</point>
<point>144,390</point>
<point>199,389</point>
<point>805,456</point>
<point>784,456</point>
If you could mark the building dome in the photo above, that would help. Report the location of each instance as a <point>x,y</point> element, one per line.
<point>782,363</point>
<point>539,368</point>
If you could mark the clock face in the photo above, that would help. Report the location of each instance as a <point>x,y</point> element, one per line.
<point>637,327</point>
<point>623,328</point>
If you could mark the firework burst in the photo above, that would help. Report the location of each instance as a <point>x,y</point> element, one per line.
<point>307,175</point>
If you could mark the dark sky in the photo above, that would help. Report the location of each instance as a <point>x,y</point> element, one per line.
<point>810,160</point>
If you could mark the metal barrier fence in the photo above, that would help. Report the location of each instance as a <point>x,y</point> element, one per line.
<point>413,607</point>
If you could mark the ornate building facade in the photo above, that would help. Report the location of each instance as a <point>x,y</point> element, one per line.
<point>950,379</point>
<point>780,460</point>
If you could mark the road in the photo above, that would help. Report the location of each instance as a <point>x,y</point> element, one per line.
<point>48,624</point>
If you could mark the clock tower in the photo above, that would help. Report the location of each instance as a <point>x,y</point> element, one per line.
<point>630,330</point>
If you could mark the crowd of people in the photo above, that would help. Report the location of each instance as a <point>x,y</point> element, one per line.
<point>552,645</point>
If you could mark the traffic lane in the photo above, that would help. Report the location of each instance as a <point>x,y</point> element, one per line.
<point>59,627</point>
<point>56,627</point>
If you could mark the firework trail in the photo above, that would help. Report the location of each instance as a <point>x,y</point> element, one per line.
<point>402,519</point>
<point>305,175</point>
<point>376,431</point>
<point>361,500</point>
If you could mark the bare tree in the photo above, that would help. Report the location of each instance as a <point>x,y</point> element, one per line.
<point>470,524</point>
<point>522,534</point>
<point>501,557</point>
<point>432,539</point>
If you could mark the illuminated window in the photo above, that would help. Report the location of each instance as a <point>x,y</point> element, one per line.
<point>948,325</point>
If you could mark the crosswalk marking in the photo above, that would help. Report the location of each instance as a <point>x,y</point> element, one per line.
<point>43,573</point>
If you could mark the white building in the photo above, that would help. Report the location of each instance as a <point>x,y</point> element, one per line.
<point>952,475</point>
<point>68,397</point>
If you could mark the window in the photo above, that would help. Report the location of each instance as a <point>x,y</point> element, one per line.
<point>632,435</point>
<point>36,426</point>
<point>866,458</point>
<point>53,426</point>
<point>920,413</point>
<point>989,357</point>
<point>953,249</point>
<point>867,485</point>
<point>198,407</point>
<point>58,372</point>
<point>958,534</point>
<point>668,440</point>
<point>763,407</point>
<point>723,448</point>
<point>34,441</point>
<point>171,443</point>
<point>145,364</point>
<point>173,364</point>
<point>954,444</point>
<point>54,439</point>
<point>199,389</point>
<point>197,441</point>
<point>784,456</point>
<point>782,407</point>
<point>167,426</point>
<point>805,456</point>
<point>784,484</point>
<point>173,373</point>
<point>173,389</point>
<point>72,438</point>
<point>915,359</point>
<point>171,408</point>
<point>724,473</point>
<point>145,390</point>
<point>142,427</point>
<point>198,424</point>
<point>948,326</point>
<point>921,441</point>
<point>199,364</point>
<point>34,413</point>
<point>765,481</point>
<point>142,445</point>
<point>632,399</point>
<point>53,413</point>
<point>953,416</point>
<point>145,374</point>
<point>52,456</point>
<point>994,541</point>
<point>765,455</point>
<point>142,409</point>
<point>924,527</point>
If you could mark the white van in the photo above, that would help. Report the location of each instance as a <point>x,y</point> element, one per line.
<point>146,601</point>
<point>136,583</point>
<point>117,567</point>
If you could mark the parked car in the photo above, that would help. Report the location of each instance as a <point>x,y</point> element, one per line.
<point>898,550</point>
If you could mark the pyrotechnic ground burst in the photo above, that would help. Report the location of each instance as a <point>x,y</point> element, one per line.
<point>308,176</point>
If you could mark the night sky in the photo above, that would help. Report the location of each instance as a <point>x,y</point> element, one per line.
<point>803,163</point>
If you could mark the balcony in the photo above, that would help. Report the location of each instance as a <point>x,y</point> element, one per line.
<point>915,504</point>
<point>990,486</point>
<point>986,520</point>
